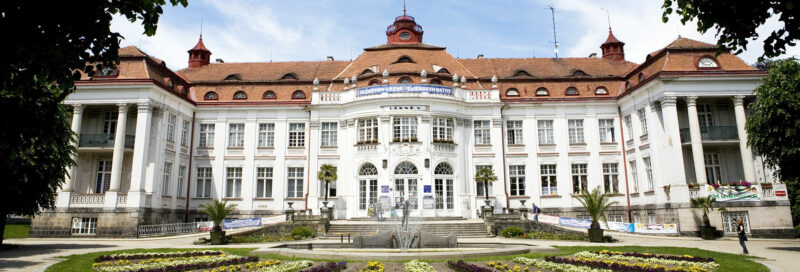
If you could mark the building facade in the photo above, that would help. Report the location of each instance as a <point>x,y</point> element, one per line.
<point>406,120</point>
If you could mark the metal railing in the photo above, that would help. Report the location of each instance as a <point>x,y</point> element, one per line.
<point>103,140</point>
<point>166,229</point>
<point>712,133</point>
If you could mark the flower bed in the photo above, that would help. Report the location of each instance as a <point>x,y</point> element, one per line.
<point>461,266</point>
<point>500,266</point>
<point>558,267</point>
<point>417,266</point>
<point>648,255</point>
<point>327,267</point>
<point>622,266</point>
<point>371,266</point>
<point>150,255</point>
<point>650,258</point>
<point>553,236</point>
<point>287,267</point>
<point>176,263</point>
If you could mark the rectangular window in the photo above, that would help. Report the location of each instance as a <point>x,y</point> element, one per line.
<point>642,120</point>
<point>206,135</point>
<point>516,174</point>
<point>294,182</point>
<point>704,115</point>
<point>610,179</point>
<point>713,168</point>
<point>236,135</point>
<point>171,121</point>
<point>297,135</point>
<point>264,182</point>
<point>634,176</point>
<point>730,224</point>
<point>103,180</point>
<point>266,135</point>
<point>615,218</point>
<point>482,132</point>
<point>649,171</point>
<point>549,182</point>
<point>580,178</point>
<point>545,131</point>
<point>110,122</point>
<point>480,189</point>
<point>84,225</point>
<point>233,182</point>
<point>405,129</point>
<point>328,134</point>
<point>606,130</point>
<point>331,189</point>
<point>514,132</point>
<point>628,126</point>
<point>368,130</point>
<point>181,180</point>
<point>575,131</point>
<point>165,190</point>
<point>204,178</point>
<point>442,129</point>
<point>185,133</point>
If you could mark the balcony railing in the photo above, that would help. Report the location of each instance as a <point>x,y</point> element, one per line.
<point>103,140</point>
<point>712,133</point>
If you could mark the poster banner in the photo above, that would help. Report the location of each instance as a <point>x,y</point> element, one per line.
<point>618,226</point>
<point>205,226</point>
<point>547,219</point>
<point>728,193</point>
<point>575,222</point>
<point>405,89</point>
<point>241,223</point>
<point>656,228</point>
<point>273,220</point>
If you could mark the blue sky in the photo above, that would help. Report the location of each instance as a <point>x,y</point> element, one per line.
<point>258,31</point>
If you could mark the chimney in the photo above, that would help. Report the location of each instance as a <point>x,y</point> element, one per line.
<point>593,55</point>
<point>480,56</point>
<point>220,61</point>
<point>330,58</point>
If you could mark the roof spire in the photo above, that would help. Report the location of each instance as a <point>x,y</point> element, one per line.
<point>201,28</point>
<point>608,16</point>
<point>404,7</point>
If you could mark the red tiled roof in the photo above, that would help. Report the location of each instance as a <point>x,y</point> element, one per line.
<point>200,46</point>
<point>611,38</point>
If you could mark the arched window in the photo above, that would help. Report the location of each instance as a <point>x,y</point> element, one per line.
<point>579,73</point>
<point>210,96</point>
<point>601,90</point>
<point>571,91</point>
<point>627,84</point>
<point>436,81</point>
<point>298,95</point>
<point>367,71</point>
<point>707,62</point>
<point>521,73</point>
<point>239,95</point>
<point>368,169</point>
<point>233,77</point>
<point>290,76</point>
<point>404,59</point>
<point>406,168</point>
<point>374,82</point>
<point>405,36</point>
<point>542,91</point>
<point>443,71</point>
<point>443,169</point>
<point>512,92</point>
<point>185,90</point>
<point>405,80</point>
<point>641,77</point>
<point>269,94</point>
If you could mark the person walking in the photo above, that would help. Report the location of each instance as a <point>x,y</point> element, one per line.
<point>742,236</point>
<point>536,212</point>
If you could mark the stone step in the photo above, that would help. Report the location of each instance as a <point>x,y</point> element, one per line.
<point>461,229</point>
<point>417,219</point>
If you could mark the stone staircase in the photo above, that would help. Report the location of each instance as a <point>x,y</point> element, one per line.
<point>461,228</point>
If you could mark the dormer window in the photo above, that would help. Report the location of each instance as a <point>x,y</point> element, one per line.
<point>405,80</point>
<point>239,95</point>
<point>601,91</point>
<point>185,90</point>
<point>512,92</point>
<point>542,91</point>
<point>436,81</point>
<point>367,71</point>
<point>579,73</point>
<point>107,71</point>
<point>627,84</point>
<point>571,91</point>
<point>519,73</point>
<point>269,94</point>
<point>404,59</point>
<point>707,62</point>
<point>374,82</point>
<point>298,95</point>
<point>233,77</point>
<point>210,96</point>
<point>289,76</point>
<point>405,36</point>
<point>641,77</point>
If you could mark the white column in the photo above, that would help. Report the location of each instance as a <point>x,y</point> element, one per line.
<point>697,141</point>
<point>673,155</point>
<point>119,148</point>
<point>136,193</point>
<point>69,181</point>
<point>747,154</point>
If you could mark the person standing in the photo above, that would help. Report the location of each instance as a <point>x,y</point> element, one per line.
<point>742,236</point>
<point>536,212</point>
<point>379,210</point>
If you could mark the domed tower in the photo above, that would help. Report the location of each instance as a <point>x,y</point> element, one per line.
<point>613,49</point>
<point>404,30</point>
<point>199,56</point>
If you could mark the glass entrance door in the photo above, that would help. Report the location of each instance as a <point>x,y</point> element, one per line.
<point>406,188</point>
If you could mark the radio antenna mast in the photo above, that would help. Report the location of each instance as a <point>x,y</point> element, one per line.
<point>555,39</point>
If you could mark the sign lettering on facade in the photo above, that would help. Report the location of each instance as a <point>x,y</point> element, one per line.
<point>407,107</point>
<point>405,89</point>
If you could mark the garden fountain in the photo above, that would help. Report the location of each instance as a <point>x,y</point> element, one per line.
<point>402,235</point>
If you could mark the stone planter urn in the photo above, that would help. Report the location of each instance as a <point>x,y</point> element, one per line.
<point>290,203</point>
<point>708,232</point>
<point>217,237</point>
<point>488,202</point>
<point>325,204</point>
<point>596,235</point>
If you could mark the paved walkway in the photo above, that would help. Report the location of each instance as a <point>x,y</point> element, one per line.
<point>36,254</point>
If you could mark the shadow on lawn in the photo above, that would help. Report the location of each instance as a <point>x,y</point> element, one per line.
<point>33,250</point>
<point>796,249</point>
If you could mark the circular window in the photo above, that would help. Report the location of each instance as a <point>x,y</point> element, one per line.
<point>405,35</point>
<point>512,92</point>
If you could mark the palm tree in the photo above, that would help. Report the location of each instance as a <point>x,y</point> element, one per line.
<point>705,204</point>
<point>485,175</point>
<point>217,211</point>
<point>596,203</point>
<point>327,173</point>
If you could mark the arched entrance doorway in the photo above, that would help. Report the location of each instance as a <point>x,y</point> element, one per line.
<point>406,176</point>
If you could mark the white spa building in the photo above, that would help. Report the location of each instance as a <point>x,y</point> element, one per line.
<point>406,120</point>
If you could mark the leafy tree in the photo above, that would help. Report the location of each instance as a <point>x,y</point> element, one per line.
<point>44,49</point>
<point>596,203</point>
<point>705,204</point>
<point>485,175</point>
<point>773,128</point>
<point>327,174</point>
<point>736,21</point>
<point>217,211</point>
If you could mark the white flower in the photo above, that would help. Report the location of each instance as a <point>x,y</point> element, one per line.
<point>417,266</point>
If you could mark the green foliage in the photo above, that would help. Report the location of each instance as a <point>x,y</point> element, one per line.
<point>83,262</point>
<point>485,175</point>
<point>596,204</point>
<point>512,232</point>
<point>327,174</point>
<point>554,236</point>
<point>217,211</point>
<point>302,233</point>
<point>773,127</point>
<point>16,230</point>
<point>705,204</point>
<point>736,22</point>
<point>261,238</point>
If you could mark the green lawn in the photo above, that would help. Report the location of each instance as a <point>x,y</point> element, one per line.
<point>16,231</point>
<point>727,262</point>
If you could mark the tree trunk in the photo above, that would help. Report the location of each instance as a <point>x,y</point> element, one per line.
<point>326,191</point>
<point>486,190</point>
<point>2,226</point>
<point>706,222</point>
